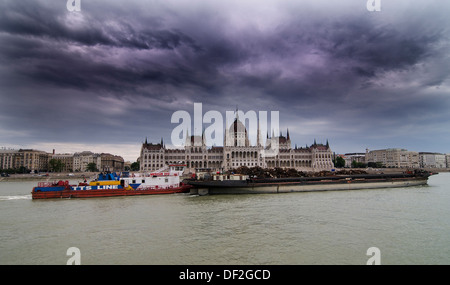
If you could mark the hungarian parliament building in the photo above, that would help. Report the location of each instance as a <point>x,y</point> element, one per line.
<point>237,151</point>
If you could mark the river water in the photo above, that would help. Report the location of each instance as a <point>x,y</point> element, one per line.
<point>407,225</point>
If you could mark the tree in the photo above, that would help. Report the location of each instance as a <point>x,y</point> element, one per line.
<point>135,166</point>
<point>339,162</point>
<point>22,169</point>
<point>375,165</point>
<point>56,165</point>
<point>356,164</point>
<point>91,167</point>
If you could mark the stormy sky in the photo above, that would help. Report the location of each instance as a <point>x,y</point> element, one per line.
<point>105,78</point>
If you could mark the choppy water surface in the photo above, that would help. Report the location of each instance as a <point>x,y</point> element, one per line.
<point>408,225</point>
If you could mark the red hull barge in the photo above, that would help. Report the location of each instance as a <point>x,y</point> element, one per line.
<point>112,185</point>
<point>69,193</point>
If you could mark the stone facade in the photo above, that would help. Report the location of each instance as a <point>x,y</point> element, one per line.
<point>33,160</point>
<point>82,159</point>
<point>237,151</point>
<point>7,158</point>
<point>432,160</point>
<point>103,161</point>
<point>66,159</point>
<point>351,157</point>
<point>394,157</point>
<point>38,161</point>
<point>110,162</point>
<point>30,159</point>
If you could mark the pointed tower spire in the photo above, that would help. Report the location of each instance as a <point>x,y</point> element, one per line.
<point>258,135</point>
<point>287,135</point>
<point>203,138</point>
<point>188,138</point>
<point>225,137</point>
<point>146,140</point>
<point>328,145</point>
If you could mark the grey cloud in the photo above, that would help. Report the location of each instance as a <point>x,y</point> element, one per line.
<point>28,19</point>
<point>305,59</point>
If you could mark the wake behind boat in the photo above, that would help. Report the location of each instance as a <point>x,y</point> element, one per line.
<point>111,184</point>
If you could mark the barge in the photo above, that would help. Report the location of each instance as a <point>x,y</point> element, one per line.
<point>111,184</point>
<point>307,184</point>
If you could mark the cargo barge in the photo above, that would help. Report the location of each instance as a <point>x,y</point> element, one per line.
<point>111,184</point>
<point>307,184</point>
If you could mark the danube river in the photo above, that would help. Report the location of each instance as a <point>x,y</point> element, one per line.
<point>407,225</point>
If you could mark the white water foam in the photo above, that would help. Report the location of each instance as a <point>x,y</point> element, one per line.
<point>15,197</point>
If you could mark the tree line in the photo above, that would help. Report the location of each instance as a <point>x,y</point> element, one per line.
<point>339,162</point>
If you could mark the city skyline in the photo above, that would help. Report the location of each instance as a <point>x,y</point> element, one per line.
<point>105,78</point>
<point>130,154</point>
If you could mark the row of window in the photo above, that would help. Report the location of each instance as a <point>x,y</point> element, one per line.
<point>289,163</point>
<point>294,163</point>
<point>233,155</point>
<point>323,155</point>
<point>177,157</point>
<point>247,164</point>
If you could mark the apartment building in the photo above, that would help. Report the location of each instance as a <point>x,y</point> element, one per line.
<point>394,157</point>
<point>432,160</point>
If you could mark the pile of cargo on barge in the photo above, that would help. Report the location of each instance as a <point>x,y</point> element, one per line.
<point>243,184</point>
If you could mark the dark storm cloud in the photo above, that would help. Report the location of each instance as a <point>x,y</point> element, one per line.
<point>31,19</point>
<point>350,45</point>
<point>140,61</point>
<point>78,56</point>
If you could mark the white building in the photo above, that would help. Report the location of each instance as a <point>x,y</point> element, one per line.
<point>394,157</point>
<point>82,159</point>
<point>432,160</point>
<point>237,151</point>
<point>350,157</point>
